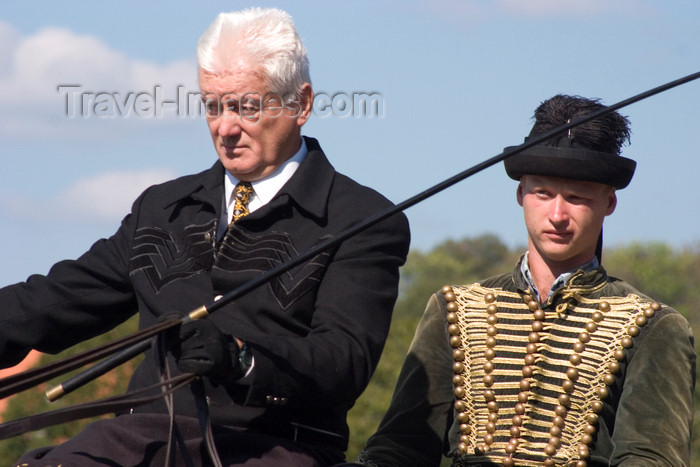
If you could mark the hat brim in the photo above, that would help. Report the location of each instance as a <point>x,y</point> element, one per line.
<point>573,163</point>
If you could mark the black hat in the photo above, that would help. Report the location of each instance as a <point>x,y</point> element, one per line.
<point>588,152</point>
<point>566,160</point>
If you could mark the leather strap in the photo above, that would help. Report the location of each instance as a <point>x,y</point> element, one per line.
<point>119,403</point>
<point>205,421</point>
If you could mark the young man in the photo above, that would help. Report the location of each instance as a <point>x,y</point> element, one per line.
<point>555,363</point>
<point>283,364</point>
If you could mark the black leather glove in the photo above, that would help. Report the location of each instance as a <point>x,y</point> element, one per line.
<point>206,351</point>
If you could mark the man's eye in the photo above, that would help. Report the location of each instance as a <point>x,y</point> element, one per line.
<point>212,108</point>
<point>576,199</point>
<point>249,110</point>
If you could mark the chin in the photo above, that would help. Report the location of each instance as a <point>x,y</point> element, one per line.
<point>558,254</point>
<point>232,164</point>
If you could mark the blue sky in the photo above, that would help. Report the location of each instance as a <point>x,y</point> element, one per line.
<point>453,83</point>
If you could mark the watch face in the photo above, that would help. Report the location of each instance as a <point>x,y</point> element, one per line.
<point>245,357</point>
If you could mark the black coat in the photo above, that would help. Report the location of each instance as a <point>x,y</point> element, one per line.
<point>316,331</point>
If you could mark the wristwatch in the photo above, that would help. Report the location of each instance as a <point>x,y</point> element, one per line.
<point>245,358</point>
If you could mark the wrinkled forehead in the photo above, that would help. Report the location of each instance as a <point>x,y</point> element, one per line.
<point>244,80</point>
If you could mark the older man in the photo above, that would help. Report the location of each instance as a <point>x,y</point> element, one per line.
<point>555,363</point>
<point>283,364</point>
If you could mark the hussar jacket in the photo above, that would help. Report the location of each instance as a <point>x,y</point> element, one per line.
<point>599,374</point>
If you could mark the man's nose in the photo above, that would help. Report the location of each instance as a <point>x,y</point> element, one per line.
<point>230,124</point>
<point>559,210</point>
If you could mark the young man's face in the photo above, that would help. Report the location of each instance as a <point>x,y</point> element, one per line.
<point>252,130</point>
<point>564,217</point>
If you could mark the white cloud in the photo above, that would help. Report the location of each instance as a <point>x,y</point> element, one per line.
<point>34,66</point>
<point>102,198</point>
<point>9,38</point>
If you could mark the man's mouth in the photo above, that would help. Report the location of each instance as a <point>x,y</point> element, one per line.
<point>559,236</point>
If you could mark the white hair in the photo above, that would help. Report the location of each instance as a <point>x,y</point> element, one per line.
<point>256,37</point>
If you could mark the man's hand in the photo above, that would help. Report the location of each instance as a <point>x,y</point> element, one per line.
<point>205,350</point>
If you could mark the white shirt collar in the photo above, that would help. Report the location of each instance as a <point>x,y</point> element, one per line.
<point>266,188</point>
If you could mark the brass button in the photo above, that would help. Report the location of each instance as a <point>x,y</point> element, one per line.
<point>603,392</point>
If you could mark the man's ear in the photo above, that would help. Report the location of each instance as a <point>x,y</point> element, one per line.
<point>306,101</point>
<point>612,202</point>
<point>519,193</point>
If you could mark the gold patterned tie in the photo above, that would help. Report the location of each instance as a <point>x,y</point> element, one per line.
<point>242,194</point>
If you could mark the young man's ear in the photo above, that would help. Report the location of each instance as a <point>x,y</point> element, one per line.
<point>519,192</point>
<point>612,202</point>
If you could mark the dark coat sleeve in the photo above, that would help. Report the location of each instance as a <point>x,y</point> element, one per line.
<point>76,300</point>
<point>414,428</point>
<point>655,414</point>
